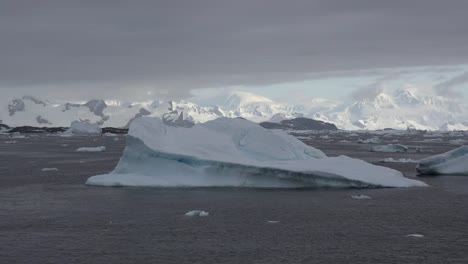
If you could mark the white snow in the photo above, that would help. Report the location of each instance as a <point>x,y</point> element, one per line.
<point>235,152</point>
<point>389,148</point>
<point>91,149</point>
<point>197,213</point>
<point>401,160</point>
<point>454,162</point>
<point>84,128</point>
<point>49,169</point>
<point>361,197</point>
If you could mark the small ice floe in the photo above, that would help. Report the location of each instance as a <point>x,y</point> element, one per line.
<point>11,142</point>
<point>433,140</point>
<point>325,137</point>
<point>402,160</point>
<point>373,140</point>
<point>64,145</point>
<point>273,221</point>
<point>49,169</point>
<point>91,149</point>
<point>389,148</point>
<point>361,197</point>
<point>415,235</point>
<point>17,135</point>
<point>197,213</point>
<point>345,141</point>
<point>458,142</point>
<point>116,139</point>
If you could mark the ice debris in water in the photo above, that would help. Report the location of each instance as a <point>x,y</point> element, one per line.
<point>415,235</point>
<point>11,142</point>
<point>453,162</point>
<point>361,197</point>
<point>373,140</point>
<point>401,160</point>
<point>49,169</point>
<point>91,149</point>
<point>389,148</point>
<point>235,152</point>
<point>197,213</point>
<point>273,222</point>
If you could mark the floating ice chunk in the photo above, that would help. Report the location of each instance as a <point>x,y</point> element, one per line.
<point>197,213</point>
<point>91,149</point>
<point>401,160</point>
<point>83,128</point>
<point>434,140</point>
<point>64,145</point>
<point>116,139</point>
<point>415,235</point>
<point>11,142</point>
<point>389,148</point>
<point>273,222</point>
<point>453,162</point>
<point>458,142</point>
<point>49,169</point>
<point>373,140</point>
<point>17,135</point>
<point>235,152</point>
<point>361,197</point>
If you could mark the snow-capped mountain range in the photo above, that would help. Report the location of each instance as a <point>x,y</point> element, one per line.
<point>398,108</point>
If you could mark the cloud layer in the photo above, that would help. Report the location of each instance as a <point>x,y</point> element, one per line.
<point>174,46</point>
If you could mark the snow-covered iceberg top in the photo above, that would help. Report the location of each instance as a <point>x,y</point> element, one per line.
<point>454,162</point>
<point>83,128</point>
<point>235,152</point>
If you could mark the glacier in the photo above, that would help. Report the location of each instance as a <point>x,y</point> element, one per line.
<point>454,162</point>
<point>235,153</point>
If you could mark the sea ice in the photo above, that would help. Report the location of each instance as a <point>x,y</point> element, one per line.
<point>361,197</point>
<point>454,162</point>
<point>373,140</point>
<point>49,169</point>
<point>389,148</point>
<point>197,213</point>
<point>458,142</point>
<point>415,235</point>
<point>235,152</point>
<point>11,142</point>
<point>91,149</point>
<point>401,160</point>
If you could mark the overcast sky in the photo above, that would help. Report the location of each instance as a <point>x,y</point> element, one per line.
<point>123,49</point>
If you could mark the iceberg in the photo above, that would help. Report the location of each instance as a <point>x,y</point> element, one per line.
<point>83,128</point>
<point>235,153</point>
<point>454,162</point>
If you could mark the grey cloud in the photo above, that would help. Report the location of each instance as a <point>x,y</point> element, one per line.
<point>453,86</point>
<point>368,92</point>
<point>171,47</point>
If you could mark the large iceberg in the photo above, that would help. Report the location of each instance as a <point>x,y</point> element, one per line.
<point>454,162</point>
<point>235,152</point>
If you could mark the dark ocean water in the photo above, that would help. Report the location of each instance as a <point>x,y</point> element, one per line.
<point>52,217</point>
